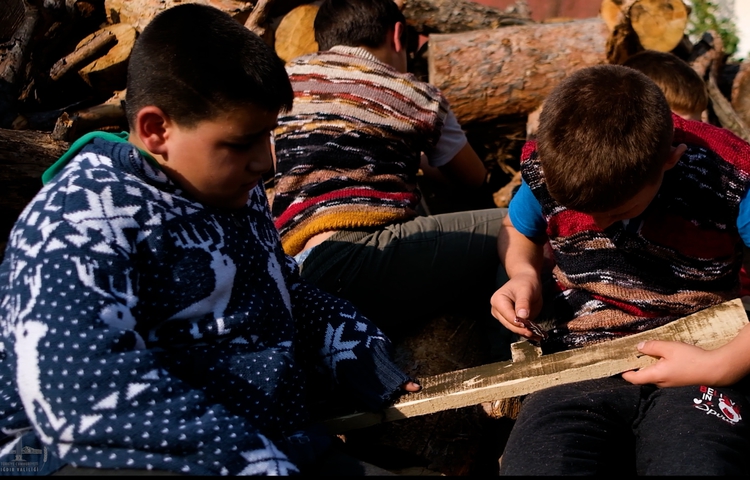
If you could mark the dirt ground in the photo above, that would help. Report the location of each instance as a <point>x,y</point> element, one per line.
<point>461,442</point>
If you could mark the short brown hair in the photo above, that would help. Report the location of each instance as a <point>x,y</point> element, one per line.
<point>604,134</point>
<point>356,23</point>
<point>195,61</point>
<point>685,90</point>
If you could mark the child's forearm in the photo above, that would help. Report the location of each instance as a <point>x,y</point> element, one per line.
<point>518,254</point>
<point>732,361</point>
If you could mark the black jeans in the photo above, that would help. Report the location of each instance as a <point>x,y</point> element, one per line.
<point>609,426</point>
<point>408,272</point>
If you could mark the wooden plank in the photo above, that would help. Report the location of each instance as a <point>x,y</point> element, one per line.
<point>708,329</point>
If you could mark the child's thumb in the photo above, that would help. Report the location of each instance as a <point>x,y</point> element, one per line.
<point>522,308</point>
<point>653,348</point>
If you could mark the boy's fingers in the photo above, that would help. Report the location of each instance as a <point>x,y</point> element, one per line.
<point>412,387</point>
<point>502,307</point>
<point>653,348</point>
<point>636,377</point>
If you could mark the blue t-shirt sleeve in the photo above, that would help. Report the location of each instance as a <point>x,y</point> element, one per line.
<point>743,220</point>
<point>525,213</point>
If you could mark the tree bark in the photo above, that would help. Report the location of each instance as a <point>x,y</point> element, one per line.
<point>454,16</point>
<point>13,54</point>
<point>88,48</point>
<point>741,92</point>
<point>490,73</point>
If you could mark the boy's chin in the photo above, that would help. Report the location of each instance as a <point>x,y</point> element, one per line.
<point>229,203</point>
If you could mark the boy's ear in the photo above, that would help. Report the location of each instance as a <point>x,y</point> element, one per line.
<point>398,33</point>
<point>152,126</point>
<point>675,154</point>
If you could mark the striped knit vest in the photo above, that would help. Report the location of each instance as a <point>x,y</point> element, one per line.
<point>681,255</point>
<point>347,155</point>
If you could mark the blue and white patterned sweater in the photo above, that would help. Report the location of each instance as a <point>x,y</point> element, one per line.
<point>144,330</point>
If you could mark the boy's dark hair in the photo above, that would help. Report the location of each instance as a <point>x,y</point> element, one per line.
<point>356,23</point>
<point>685,90</point>
<point>195,61</point>
<point>605,133</point>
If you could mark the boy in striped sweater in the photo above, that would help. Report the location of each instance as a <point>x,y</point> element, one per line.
<point>345,194</point>
<point>646,214</point>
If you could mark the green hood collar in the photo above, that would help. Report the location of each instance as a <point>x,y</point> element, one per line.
<point>78,145</point>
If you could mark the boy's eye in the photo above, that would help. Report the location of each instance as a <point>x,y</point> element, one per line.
<point>240,146</point>
<point>251,141</point>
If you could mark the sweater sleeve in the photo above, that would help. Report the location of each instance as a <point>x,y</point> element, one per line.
<point>348,346</point>
<point>90,388</point>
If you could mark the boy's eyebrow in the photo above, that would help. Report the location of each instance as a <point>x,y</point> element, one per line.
<point>248,136</point>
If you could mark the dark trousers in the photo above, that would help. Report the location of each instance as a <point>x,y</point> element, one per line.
<point>412,271</point>
<point>609,426</point>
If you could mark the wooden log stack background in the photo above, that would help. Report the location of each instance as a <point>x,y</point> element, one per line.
<point>62,68</point>
<point>62,74</point>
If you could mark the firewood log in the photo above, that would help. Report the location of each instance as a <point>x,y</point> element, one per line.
<point>295,34</point>
<point>12,56</point>
<point>12,16</point>
<point>108,73</point>
<point>510,70</point>
<point>636,25</point>
<point>709,66</point>
<point>741,92</point>
<point>88,48</point>
<point>139,12</point>
<point>453,16</point>
<point>110,115</point>
<point>258,19</point>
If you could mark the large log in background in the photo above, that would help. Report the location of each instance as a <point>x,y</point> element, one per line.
<point>508,71</point>
<point>444,16</point>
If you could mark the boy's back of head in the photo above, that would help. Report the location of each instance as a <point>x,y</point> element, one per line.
<point>195,62</point>
<point>685,90</point>
<point>604,133</point>
<point>355,23</point>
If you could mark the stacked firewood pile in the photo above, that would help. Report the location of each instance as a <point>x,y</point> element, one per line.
<point>62,75</point>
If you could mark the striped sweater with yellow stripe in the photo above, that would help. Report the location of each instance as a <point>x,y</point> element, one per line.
<point>347,155</point>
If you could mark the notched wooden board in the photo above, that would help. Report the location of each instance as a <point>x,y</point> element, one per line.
<point>708,329</point>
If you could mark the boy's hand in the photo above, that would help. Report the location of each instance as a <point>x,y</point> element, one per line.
<point>411,387</point>
<point>516,303</point>
<point>678,364</point>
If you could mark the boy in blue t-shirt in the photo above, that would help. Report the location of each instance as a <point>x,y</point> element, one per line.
<point>645,214</point>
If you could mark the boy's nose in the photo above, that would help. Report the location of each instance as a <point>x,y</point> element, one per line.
<point>261,161</point>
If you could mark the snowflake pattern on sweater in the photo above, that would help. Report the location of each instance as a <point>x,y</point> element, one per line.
<point>144,330</point>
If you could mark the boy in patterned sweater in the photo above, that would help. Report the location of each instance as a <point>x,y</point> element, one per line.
<point>345,194</point>
<point>150,318</point>
<point>646,214</point>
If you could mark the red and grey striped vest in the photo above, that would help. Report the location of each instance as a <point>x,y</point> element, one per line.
<point>348,153</point>
<point>681,255</point>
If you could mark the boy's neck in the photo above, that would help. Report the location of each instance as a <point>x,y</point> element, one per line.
<point>136,140</point>
<point>383,54</point>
